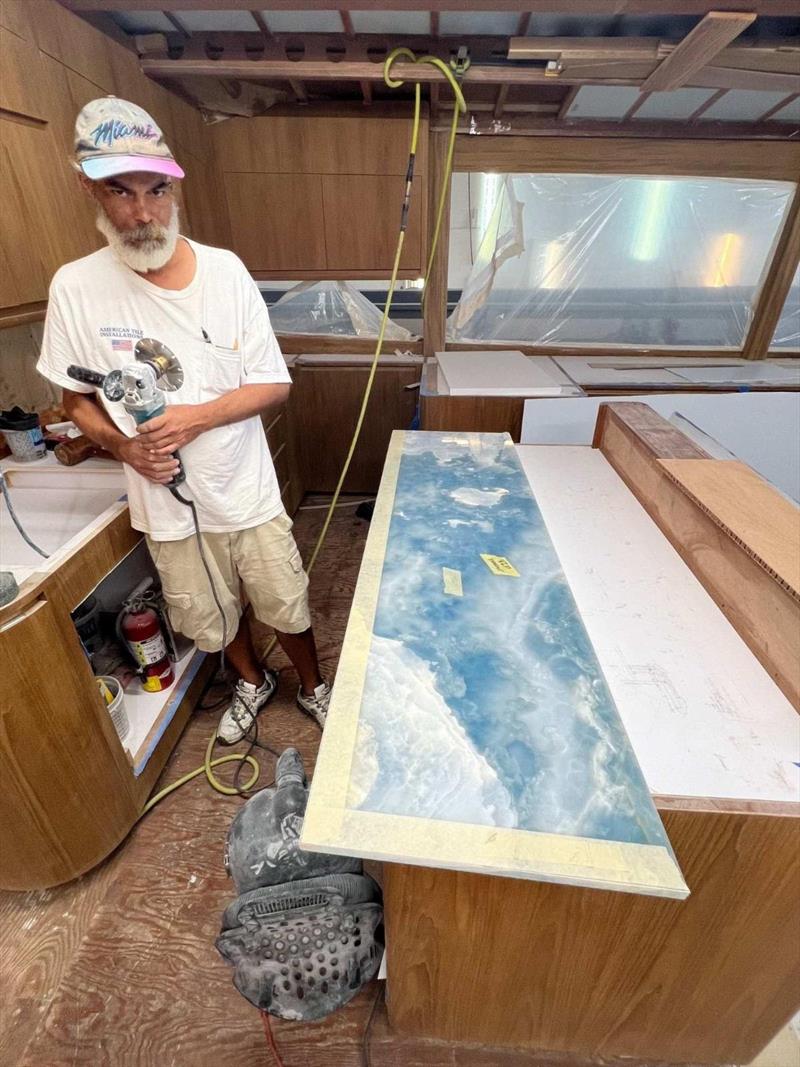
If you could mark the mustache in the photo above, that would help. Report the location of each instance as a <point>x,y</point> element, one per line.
<point>149,233</point>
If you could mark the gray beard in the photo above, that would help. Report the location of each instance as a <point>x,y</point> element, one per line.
<point>147,248</point>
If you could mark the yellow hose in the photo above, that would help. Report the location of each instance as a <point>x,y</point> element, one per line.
<point>208,765</point>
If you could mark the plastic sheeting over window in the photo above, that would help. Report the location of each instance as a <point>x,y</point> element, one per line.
<point>331,308</point>
<point>787,332</point>
<point>575,259</point>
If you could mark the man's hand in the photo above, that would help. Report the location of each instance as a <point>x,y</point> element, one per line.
<point>159,469</point>
<point>179,425</point>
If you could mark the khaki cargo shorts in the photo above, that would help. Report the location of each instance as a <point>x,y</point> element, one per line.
<point>264,561</point>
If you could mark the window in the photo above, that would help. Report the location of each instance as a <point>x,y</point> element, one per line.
<point>579,259</point>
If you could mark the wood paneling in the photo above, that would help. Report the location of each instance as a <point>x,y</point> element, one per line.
<point>28,273</point>
<point>53,64</point>
<point>20,90</point>
<point>764,612</point>
<point>276,224</point>
<point>58,768</point>
<point>204,194</point>
<point>479,414</point>
<point>626,155</point>
<point>326,144</point>
<point>435,295</point>
<point>14,16</point>
<point>362,222</point>
<point>323,408</point>
<point>74,43</point>
<point>707,979</point>
<point>324,193</point>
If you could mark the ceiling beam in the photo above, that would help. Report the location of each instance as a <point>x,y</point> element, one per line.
<point>778,107</point>
<point>235,66</point>
<point>263,28</point>
<point>567,102</point>
<point>354,70</point>
<point>499,101</point>
<point>709,37</point>
<point>575,7</point>
<point>709,103</point>
<point>741,133</point>
<point>178,25</point>
<point>524,23</point>
<point>735,78</point>
<point>645,49</point>
<point>637,103</point>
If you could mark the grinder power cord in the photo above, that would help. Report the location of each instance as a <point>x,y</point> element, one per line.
<point>140,385</point>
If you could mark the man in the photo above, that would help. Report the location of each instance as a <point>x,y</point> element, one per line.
<point>201,303</point>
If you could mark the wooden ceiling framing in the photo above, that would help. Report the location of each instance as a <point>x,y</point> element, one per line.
<point>530,81</point>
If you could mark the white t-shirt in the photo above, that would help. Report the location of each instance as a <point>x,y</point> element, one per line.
<point>219,329</point>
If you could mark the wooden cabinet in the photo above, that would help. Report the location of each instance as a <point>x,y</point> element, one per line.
<point>277,224</point>
<point>313,197</point>
<point>60,762</point>
<point>362,219</point>
<point>283,451</point>
<point>323,410</point>
<point>70,791</point>
<point>52,64</point>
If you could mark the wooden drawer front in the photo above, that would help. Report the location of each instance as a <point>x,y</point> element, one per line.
<point>276,433</point>
<point>280,458</point>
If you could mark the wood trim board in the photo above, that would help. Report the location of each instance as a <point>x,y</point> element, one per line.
<point>762,606</point>
<point>621,155</point>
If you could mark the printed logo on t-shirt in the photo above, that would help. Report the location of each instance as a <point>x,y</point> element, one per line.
<point>122,338</point>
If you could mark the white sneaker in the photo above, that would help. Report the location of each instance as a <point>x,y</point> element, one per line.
<point>247,702</point>
<point>315,705</point>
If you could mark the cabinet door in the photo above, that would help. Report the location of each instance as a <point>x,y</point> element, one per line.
<point>66,799</point>
<point>276,220</point>
<point>362,219</point>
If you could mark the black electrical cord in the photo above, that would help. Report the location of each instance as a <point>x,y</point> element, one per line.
<point>365,1051</point>
<point>191,505</point>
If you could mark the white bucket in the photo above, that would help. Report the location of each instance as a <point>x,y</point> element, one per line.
<point>116,708</point>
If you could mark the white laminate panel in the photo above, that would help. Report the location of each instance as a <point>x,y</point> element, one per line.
<point>502,373</point>
<point>704,717</point>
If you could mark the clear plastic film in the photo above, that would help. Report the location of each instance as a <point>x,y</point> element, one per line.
<point>577,259</point>
<point>331,308</point>
<point>787,332</point>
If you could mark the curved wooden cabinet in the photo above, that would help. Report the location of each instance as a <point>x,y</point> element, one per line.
<point>70,791</point>
<point>66,800</point>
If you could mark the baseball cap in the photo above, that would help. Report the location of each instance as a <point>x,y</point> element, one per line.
<point>114,136</point>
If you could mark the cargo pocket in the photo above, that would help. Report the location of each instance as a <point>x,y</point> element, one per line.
<point>179,609</point>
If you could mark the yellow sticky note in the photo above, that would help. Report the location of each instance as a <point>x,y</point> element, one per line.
<point>452,582</point>
<point>500,565</point>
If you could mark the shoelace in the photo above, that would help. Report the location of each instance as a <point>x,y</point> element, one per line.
<point>240,712</point>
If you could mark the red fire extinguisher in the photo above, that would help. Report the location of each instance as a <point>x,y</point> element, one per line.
<point>139,627</point>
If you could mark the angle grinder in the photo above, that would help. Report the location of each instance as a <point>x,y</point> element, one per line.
<point>140,386</point>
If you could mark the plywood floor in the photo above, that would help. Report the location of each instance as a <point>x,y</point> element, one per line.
<point>119,968</point>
